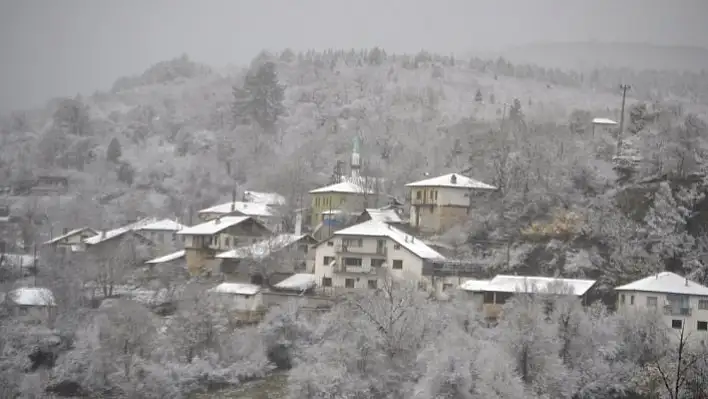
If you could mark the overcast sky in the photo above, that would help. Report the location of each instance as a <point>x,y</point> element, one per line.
<point>61,47</point>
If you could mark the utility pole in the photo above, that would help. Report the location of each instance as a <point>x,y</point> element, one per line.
<point>624,88</point>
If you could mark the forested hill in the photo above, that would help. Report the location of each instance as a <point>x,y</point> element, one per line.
<point>182,136</point>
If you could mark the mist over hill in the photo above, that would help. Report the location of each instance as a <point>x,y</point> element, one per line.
<point>585,56</point>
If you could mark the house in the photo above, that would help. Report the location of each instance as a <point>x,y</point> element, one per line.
<point>30,301</point>
<point>204,241</point>
<point>489,296</point>
<point>238,298</point>
<point>264,213</point>
<point>163,233</point>
<point>282,255</point>
<point>386,215</point>
<point>71,240</point>
<point>438,203</point>
<point>125,242</point>
<point>50,184</point>
<point>358,256</point>
<point>683,303</point>
<point>346,197</point>
<point>264,198</point>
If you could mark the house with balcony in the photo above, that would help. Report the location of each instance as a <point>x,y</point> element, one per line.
<point>274,258</point>
<point>438,203</point>
<point>683,303</point>
<point>204,241</point>
<point>489,296</point>
<point>359,256</point>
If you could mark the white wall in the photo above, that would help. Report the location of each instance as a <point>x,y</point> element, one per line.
<point>634,300</point>
<point>453,196</point>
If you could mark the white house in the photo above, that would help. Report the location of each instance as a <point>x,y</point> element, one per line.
<point>358,256</point>
<point>683,303</point>
<point>489,296</point>
<point>438,203</point>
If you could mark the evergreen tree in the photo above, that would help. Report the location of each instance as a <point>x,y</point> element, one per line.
<point>478,96</point>
<point>515,112</point>
<point>113,152</point>
<point>260,99</point>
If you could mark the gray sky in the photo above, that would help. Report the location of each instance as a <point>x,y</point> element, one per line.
<point>61,47</point>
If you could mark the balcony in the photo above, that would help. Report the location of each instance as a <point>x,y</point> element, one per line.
<point>348,249</point>
<point>364,270</point>
<point>677,311</point>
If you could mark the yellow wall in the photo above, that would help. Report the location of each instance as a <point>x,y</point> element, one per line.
<point>330,201</point>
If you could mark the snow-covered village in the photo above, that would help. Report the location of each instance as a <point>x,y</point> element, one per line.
<point>366,223</point>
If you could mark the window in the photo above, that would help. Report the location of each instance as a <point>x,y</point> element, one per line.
<point>397,264</point>
<point>703,304</point>
<point>502,297</point>
<point>702,326</point>
<point>446,287</point>
<point>352,262</point>
<point>631,299</point>
<point>349,283</point>
<point>622,299</point>
<point>330,243</point>
<point>326,281</point>
<point>677,324</point>
<point>227,241</point>
<point>373,284</point>
<point>327,260</point>
<point>354,243</point>
<point>377,262</point>
<point>417,195</point>
<point>396,246</point>
<point>652,302</point>
<point>489,297</point>
<point>256,279</point>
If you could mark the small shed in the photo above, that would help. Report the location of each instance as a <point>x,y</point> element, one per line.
<point>239,297</point>
<point>22,301</point>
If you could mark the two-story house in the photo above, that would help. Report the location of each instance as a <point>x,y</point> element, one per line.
<point>489,296</point>
<point>345,197</point>
<point>274,258</point>
<point>359,256</point>
<point>683,303</point>
<point>204,241</point>
<point>441,202</point>
<point>71,240</point>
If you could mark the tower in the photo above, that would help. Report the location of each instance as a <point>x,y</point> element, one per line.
<point>356,157</point>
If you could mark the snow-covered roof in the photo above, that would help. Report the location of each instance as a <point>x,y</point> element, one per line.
<point>167,258</point>
<point>454,180</point>
<point>384,215</point>
<point>110,234</point>
<point>666,282</point>
<point>261,249</point>
<point>603,121</point>
<point>373,228</point>
<point>213,226</point>
<point>345,187</point>
<point>244,208</point>
<point>163,225</point>
<point>264,198</point>
<point>236,289</point>
<point>474,285</point>
<point>299,282</point>
<point>32,296</point>
<point>528,284</point>
<point>69,234</point>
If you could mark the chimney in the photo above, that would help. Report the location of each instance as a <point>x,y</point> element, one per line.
<point>103,234</point>
<point>412,239</point>
<point>65,230</point>
<point>453,179</point>
<point>298,223</point>
<point>233,200</point>
<point>217,220</point>
<point>686,282</point>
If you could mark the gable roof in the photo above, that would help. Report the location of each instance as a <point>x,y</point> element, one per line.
<point>460,181</point>
<point>32,296</point>
<point>215,226</point>
<point>527,284</point>
<point>384,215</point>
<point>262,248</point>
<point>345,187</point>
<point>115,233</point>
<point>666,282</point>
<point>236,289</point>
<point>244,208</point>
<point>264,198</point>
<point>167,258</point>
<point>373,228</point>
<point>69,234</point>
<point>164,225</point>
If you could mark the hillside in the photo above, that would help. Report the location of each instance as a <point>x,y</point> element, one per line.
<point>589,55</point>
<point>183,136</point>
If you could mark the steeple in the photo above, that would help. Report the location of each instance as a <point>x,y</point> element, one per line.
<point>356,157</point>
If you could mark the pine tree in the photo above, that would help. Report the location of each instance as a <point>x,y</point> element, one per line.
<point>113,152</point>
<point>260,99</point>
